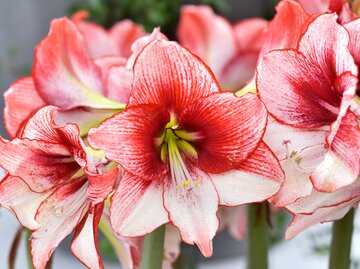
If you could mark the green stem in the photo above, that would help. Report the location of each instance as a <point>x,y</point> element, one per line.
<point>28,249</point>
<point>153,251</point>
<point>257,236</point>
<point>341,242</point>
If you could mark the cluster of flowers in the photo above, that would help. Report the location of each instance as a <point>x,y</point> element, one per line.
<point>157,126</point>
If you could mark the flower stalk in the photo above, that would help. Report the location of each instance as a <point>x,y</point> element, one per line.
<point>341,242</point>
<point>153,251</point>
<point>257,236</point>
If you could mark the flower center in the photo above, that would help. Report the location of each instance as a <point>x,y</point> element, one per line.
<point>176,146</point>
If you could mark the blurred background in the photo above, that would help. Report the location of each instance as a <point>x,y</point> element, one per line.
<point>23,23</point>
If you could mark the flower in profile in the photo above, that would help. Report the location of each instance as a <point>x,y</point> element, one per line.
<point>308,91</point>
<point>185,147</point>
<point>55,185</point>
<point>231,51</point>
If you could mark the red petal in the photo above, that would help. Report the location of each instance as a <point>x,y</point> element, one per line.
<point>249,35</point>
<point>124,33</point>
<point>341,165</point>
<point>44,156</point>
<point>19,107</point>
<point>58,216</point>
<point>104,45</point>
<point>286,83</point>
<point>256,179</point>
<point>137,207</point>
<point>170,76</point>
<point>133,146</point>
<point>84,246</point>
<point>101,185</point>
<point>193,209</point>
<point>228,138</point>
<point>63,66</point>
<point>118,84</point>
<point>285,30</point>
<point>207,35</point>
<point>140,43</point>
<point>16,196</point>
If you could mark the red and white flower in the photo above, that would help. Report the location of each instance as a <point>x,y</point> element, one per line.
<point>55,185</point>
<point>231,51</point>
<point>308,92</point>
<point>186,148</point>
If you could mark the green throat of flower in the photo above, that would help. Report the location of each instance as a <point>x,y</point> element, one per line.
<point>173,145</point>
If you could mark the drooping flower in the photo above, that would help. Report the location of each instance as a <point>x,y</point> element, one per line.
<point>308,92</point>
<point>231,51</point>
<point>185,147</point>
<point>65,76</point>
<point>55,185</point>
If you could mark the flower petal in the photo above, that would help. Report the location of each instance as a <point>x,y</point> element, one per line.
<point>140,43</point>
<point>170,76</point>
<point>137,207</point>
<point>171,246</point>
<point>124,33</point>
<point>354,33</point>
<point>101,185</point>
<point>299,152</point>
<point>118,84</point>
<point>193,210</point>
<point>207,35</point>
<point>301,222</point>
<point>19,107</point>
<point>280,33</point>
<point>62,65</point>
<point>104,45</point>
<point>341,165</point>
<point>237,221</point>
<point>286,83</point>
<point>84,246</point>
<point>58,216</point>
<point>16,196</point>
<point>84,118</point>
<point>40,164</point>
<point>232,128</point>
<point>325,43</point>
<point>316,200</point>
<point>315,6</point>
<point>256,179</point>
<point>132,145</point>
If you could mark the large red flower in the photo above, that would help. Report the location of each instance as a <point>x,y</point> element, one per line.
<point>185,147</point>
<point>55,185</point>
<point>231,51</point>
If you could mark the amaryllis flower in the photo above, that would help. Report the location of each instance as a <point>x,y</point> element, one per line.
<point>64,75</point>
<point>116,41</point>
<point>56,185</point>
<point>231,51</point>
<point>308,92</point>
<point>186,148</point>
